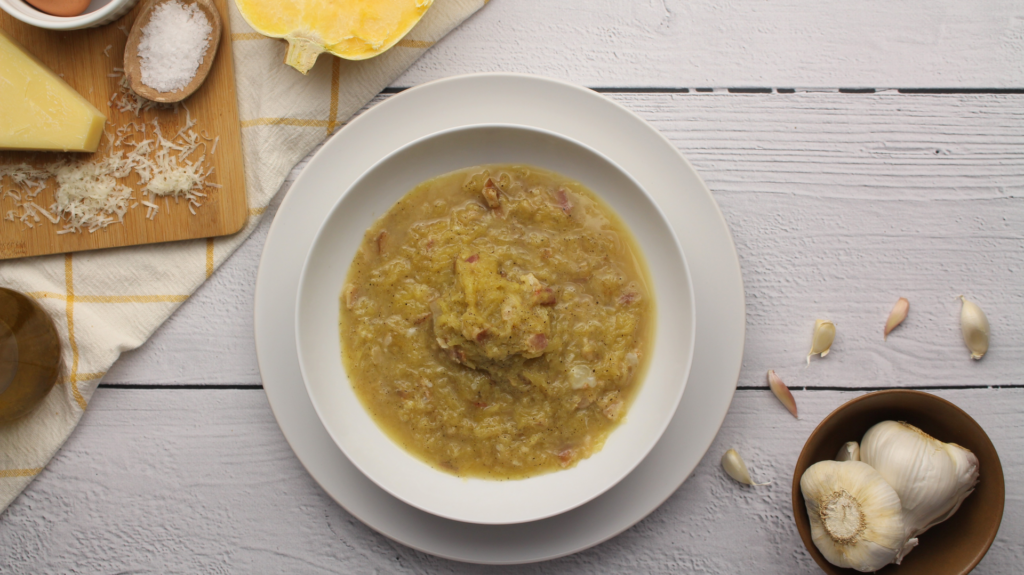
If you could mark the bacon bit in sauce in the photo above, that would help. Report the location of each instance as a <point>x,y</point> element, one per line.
<point>546,253</point>
<point>542,294</point>
<point>565,456</point>
<point>538,342</point>
<point>382,241</point>
<point>421,319</point>
<point>490,193</point>
<point>457,354</point>
<point>628,298</point>
<point>545,296</point>
<point>482,335</point>
<point>564,202</point>
<point>473,258</point>
<point>480,404</point>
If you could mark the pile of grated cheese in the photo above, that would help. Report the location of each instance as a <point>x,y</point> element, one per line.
<point>126,100</point>
<point>89,195</point>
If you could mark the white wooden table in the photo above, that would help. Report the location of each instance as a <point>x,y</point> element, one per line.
<point>860,151</point>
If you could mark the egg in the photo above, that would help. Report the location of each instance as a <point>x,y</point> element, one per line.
<point>60,7</point>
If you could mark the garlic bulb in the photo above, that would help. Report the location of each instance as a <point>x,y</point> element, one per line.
<point>932,478</point>
<point>974,326</point>
<point>850,451</point>
<point>856,517</point>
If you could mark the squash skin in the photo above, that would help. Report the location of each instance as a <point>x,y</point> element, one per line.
<point>350,29</point>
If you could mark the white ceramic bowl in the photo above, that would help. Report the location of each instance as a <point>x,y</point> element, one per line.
<point>98,13</point>
<point>352,428</point>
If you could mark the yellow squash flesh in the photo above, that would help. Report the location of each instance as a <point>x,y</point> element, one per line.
<point>350,29</point>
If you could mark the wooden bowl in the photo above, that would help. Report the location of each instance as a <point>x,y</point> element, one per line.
<point>953,547</point>
<point>133,64</point>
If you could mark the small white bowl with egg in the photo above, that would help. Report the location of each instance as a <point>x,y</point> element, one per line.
<point>99,13</point>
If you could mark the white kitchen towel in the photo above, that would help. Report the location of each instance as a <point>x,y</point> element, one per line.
<point>110,301</point>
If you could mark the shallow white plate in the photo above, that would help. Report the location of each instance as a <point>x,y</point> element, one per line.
<point>354,430</point>
<point>645,154</point>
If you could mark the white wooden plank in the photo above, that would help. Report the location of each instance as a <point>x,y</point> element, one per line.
<point>719,43</point>
<point>201,481</point>
<point>839,204</point>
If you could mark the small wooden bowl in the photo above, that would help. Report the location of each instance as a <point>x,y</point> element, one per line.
<point>953,547</point>
<point>133,65</point>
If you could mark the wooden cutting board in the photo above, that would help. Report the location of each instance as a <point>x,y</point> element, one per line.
<point>85,62</point>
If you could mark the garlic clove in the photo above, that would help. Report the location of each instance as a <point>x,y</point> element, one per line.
<point>896,316</point>
<point>975,328</point>
<point>782,392</point>
<point>855,516</point>
<point>850,451</point>
<point>737,469</point>
<point>821,341</point>
<point>932,478</point>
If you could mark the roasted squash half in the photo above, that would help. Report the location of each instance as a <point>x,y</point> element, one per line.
<point>350,29</point>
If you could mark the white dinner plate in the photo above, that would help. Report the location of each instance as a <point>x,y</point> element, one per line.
<point>642,152</point>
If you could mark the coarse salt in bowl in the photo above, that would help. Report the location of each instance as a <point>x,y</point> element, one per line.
<point>401,474</point>
<point>173,45</point>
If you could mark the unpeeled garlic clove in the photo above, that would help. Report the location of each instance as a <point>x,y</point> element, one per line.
<point>782,392</point>
<point>896,316</point>
<point>850,451</point>
<point>974,326</point>
<point>737,469</point>
<point>821,341</point>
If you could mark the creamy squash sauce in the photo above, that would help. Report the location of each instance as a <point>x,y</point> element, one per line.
<point>496,321</point>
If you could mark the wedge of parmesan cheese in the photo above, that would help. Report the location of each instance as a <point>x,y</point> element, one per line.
<point>40,111</point>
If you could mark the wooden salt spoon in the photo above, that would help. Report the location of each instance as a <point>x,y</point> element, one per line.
<point>133,64</point>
